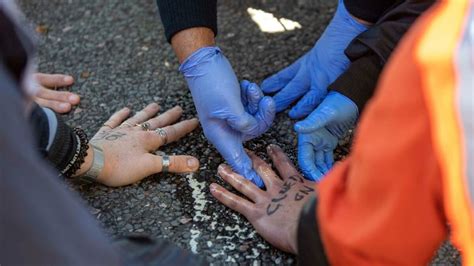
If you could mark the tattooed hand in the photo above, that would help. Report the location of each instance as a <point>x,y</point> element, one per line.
<point>275,212</point>
<point>129,150</point>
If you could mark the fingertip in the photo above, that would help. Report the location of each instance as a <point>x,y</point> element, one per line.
<point>295,113</point>
<point>64,107</point>
<point>255,93</point>
<point>223,169</point>
<point>214,188</point>
<point>74,99</point>
<point>269,85</point>
<point>272,149</point>
<point>176,108</point>
<point>256,179</point>
<point>303,127</point>
<point>259,183</point>
<point>298,127</point>
<point>192,163</point>
<point>311,174</point>
<point>68,79</point>
<point>244,83</point>
<point>323,168</point>
<point>268,103</point>
<point>314,177</point>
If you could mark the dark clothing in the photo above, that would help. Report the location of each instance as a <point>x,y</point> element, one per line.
<point>310,246</point>
<point>42,222</point>
<point>408,180</point>
<point>178,15</point>
<point>55,140</point>
<point>369,10</point>
<point>14,54</point>
<point>370,50</point>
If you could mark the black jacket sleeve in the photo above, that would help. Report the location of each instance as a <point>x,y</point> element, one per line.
<point>368,10</point>
<point>370,50</point>
<point>57,228</point>
<point>310,246</point>
<point>57,143</point>
<point>178,15</point>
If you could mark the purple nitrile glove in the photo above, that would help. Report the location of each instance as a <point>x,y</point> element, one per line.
<point>228,117</point>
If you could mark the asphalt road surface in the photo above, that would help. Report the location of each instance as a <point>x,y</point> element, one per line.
<point>117,52</point>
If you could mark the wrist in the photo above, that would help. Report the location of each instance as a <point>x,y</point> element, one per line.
<point>86,166</point>
<point>361,21</point>
<point>357,23</point>
<point>203,61</point>
<point>188,41</point>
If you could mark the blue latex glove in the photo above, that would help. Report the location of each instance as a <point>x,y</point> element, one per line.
<point>228,117</point>
<point>313,72</point>
<point>320,132</point>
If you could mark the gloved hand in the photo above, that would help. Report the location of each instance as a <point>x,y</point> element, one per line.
<point>319,133</point>
<point>228,117</point>
<point>312,73</point>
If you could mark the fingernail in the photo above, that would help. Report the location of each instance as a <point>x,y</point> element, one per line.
<point>271,148</point>
<point>64,105</point>
<point>192,163</point>
<point>68,79</point>
<point>213,188</point>
<point>222,168</point>
<point>298,127</point>
<point>73,98</point>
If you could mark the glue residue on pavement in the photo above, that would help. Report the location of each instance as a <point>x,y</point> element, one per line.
<point>200,202</point>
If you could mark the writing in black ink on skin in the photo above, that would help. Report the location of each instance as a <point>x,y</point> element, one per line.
<point>111,136</point>
<point>275,204</point>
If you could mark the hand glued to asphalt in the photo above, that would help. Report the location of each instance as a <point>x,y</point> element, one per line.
<point>273,212</point>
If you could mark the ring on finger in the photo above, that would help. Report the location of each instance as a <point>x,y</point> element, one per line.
<point>145,126</point>
<point>107,125</point>
<point>162,134</point>
<point>126,124</point>
<point>165,163</point>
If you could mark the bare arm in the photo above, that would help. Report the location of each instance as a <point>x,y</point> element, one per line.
<point>187,41</point>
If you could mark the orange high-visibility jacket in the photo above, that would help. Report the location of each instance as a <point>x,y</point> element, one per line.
<point>410,177</point>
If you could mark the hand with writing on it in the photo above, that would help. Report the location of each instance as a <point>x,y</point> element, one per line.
<point>273,212</point>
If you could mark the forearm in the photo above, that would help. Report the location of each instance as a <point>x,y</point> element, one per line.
<point>187,41</point>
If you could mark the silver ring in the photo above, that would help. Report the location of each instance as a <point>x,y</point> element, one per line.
<point>165,163</point>
<point>162,134</point>
<point>145,126</point>
<point>107,125</point>
<point>126,124</point>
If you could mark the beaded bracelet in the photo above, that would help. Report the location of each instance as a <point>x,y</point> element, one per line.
<point>79,155</point>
